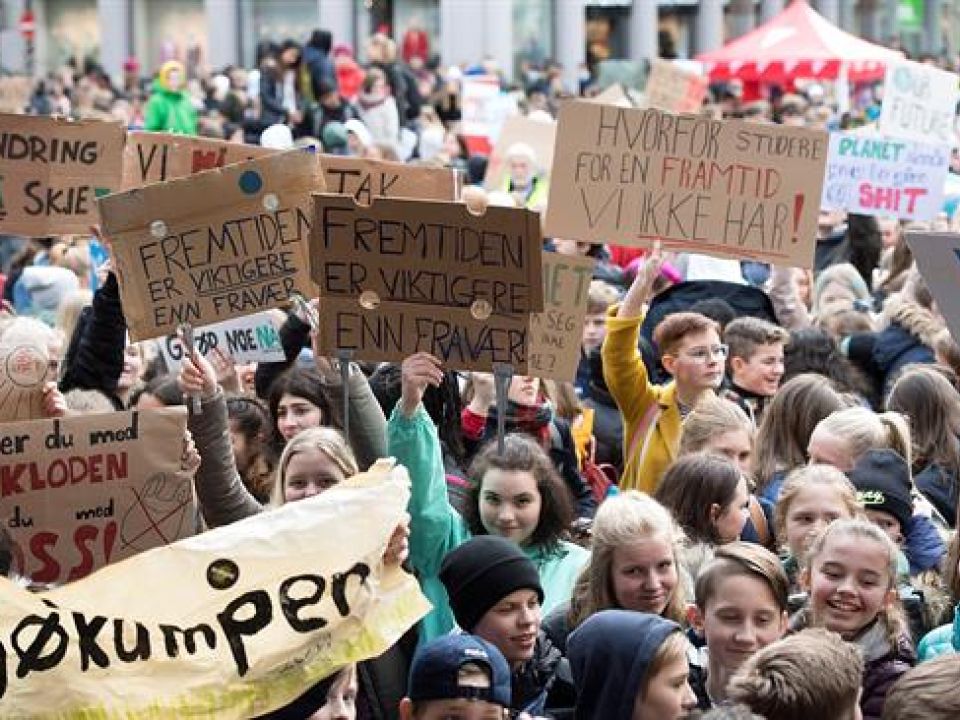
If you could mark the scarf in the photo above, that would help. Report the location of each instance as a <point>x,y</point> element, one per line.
<point>531,420</point>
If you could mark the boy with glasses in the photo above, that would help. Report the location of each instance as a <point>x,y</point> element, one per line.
<point>690,351</point>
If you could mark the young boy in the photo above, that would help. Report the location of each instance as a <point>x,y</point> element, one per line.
<point>813,674</point>
<point>457,676</point>
<point>691,352</point>
<point>755,363</point>
<point>741,607</point>
<point>600,296</point>
<point>882,480</point>
<point>927,692</point>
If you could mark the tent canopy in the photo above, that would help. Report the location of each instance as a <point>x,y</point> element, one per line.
<point>798,43</point>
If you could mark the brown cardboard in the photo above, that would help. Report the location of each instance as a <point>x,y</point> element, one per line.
<point>539,135</point>
<point>557,332</point>
<point>23,373</point>
<point>730,189</point>
<point>364,179</point>
<point>938,259</point>
<point>151,157</point>
<point>81,492</point>
<point>428,263</point>
<point>52,171</point>
<point>674,89</point>
<point>258,216</point>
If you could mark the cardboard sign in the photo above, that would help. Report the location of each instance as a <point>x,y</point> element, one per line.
<point>628,73</point>
<point>364,179</point>
<point>484,107</point>
<point>52,171</point>
<point>938,259</point>
<point>23,372</point>
<point>621,97</point>
<point>401,276</point>
<point>81,492</point>
<point>919,103</point>
<point>674,89</point>
<point>250,339</point>
<point>556,333</point>
<point>885,177</point>
<point>731,189</point>
<point>231,624</point>
<point>214,246</point>
<point>541,136</point>
<point>157,157</point>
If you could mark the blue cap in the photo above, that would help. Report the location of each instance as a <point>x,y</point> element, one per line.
<point>434,674</point>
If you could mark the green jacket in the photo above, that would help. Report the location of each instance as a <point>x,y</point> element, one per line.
<point>436,528</point>
<point>170,111</point>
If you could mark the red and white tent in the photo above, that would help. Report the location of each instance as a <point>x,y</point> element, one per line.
<point>798,43</point>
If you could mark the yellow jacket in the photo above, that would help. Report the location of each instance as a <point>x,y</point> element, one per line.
<point>651,415</point>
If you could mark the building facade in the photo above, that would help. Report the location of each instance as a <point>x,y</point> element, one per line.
<point>215,33</point>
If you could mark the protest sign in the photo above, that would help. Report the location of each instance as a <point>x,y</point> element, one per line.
<point>621,97</point>
<point>484,109</point>
<point>672,88</point>
<point>557,332</point>
<point>214,246</point>
<point>52,170</point>
<point>628,73</point>
<point>400,276</point>
<point>80,492</point>
<point>919,103</point>
<point>231,624</point>
<point>938,259</point>
<point>151,157</point>
<point>885,176</point>
<point>539,135</point>
<point>23,372</point>
<point>249,339</point>
<point>364,179</point>
<point>731,189</point>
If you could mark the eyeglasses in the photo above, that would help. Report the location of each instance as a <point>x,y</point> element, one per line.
<point>705,354</point>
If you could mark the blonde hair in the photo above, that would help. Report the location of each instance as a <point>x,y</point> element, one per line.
<point>711,417</point>
<point>68,314</point>
<point>328,441</point>
<point>813,674</point>
<point>843,274</point>
<point>862,429</point>
<point>890,616</point>
<point>807,476</point>
<point>600,296</point>
<point>621,520</point>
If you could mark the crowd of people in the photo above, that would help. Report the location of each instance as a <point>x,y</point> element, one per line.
<point>744,506</point>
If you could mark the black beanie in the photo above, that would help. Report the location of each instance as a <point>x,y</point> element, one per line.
<point>481,572</point>
<point>882,480</point>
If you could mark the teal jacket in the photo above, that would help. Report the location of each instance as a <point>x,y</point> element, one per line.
<point>436,528</point>
<point>170,111</point>
<point>944,640</point>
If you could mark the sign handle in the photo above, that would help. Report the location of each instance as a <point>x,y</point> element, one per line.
<point>344,358</point>
<point>502,375</point>
<point>185,331</point>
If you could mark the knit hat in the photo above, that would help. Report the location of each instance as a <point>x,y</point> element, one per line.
<point>434,672</point>
<point>481,572</point>
<point>882,480</point>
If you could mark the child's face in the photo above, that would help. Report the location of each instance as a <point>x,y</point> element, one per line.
<point>512,625</point>
<point>698,362</point>
<point>729,520</point>
<point>735,445</point>
<point>761,372</point>
<point>741,618</point>
<point>811,510</point>
<point>594,329</point>
<point>644,575</point>
<point>668,695</point>
<point>886,522</point>
<point>849,583</point>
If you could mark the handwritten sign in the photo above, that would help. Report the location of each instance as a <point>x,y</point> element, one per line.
<point>253,338</point>
<point>885,176</point>
<point>231,624</point>
<point>157,157</point>
<point>556,333</point>
<point>23,372</point>
<point>52,171</point>
<point>731,189</point>
<point>401,276</point>
<point>214,246</point>
<point>938,259</point>
<point>364,179</point>
<point>919,102</point>
<point>672,88</point>
<point>78,493</point>
<point>540,136</point>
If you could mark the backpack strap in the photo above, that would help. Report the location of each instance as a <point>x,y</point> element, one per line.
<point>759,519</point>
<point>642,432</point>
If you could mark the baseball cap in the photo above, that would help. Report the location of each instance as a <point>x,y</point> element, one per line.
<point>434,673</point>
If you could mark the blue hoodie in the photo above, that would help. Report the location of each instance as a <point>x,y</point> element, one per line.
<point>609,655</point>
